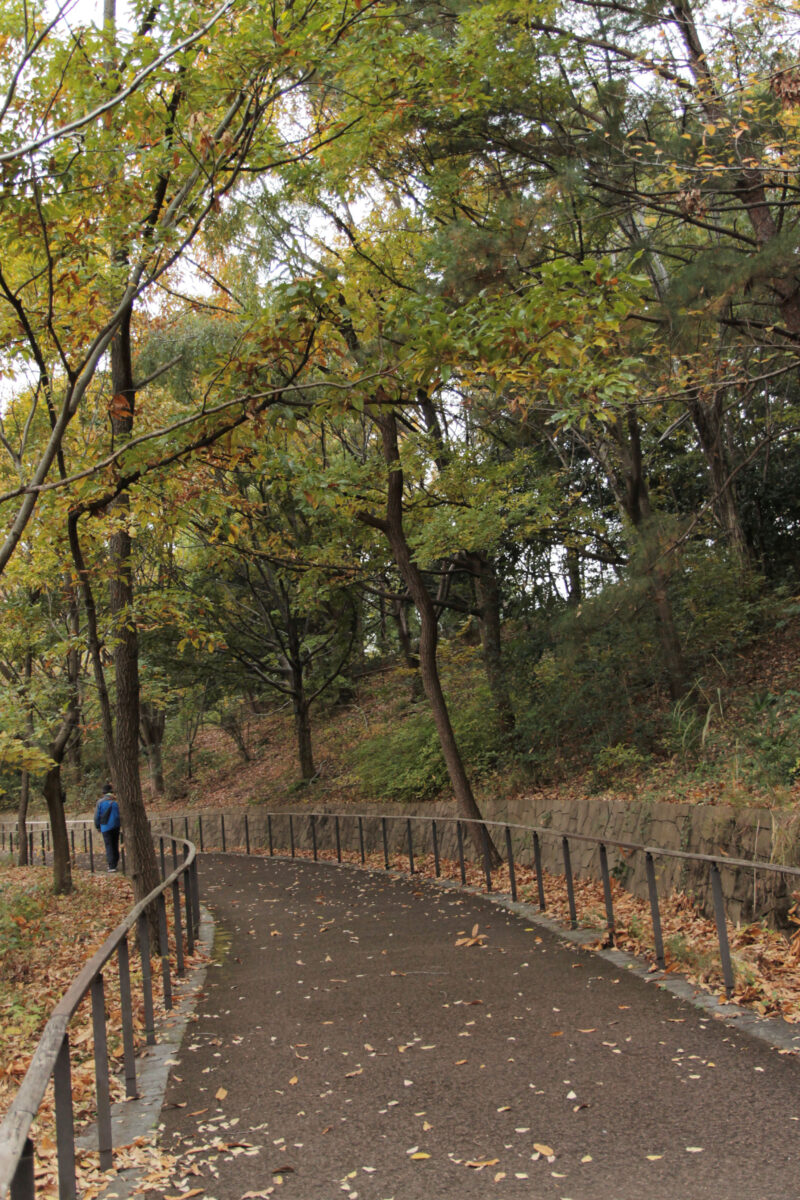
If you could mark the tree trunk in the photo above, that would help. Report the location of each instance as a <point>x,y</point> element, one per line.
<point>25,783</point>
<point>574,575</point>
<point>392,526</point>
<point>22,815</point>
<point>636,502</point>
<point>141,851</point>
<point>487,592</point>
<point>62,867</point>
<point>708,421</point>
<point>409,657</point>
<point>151,731</point>
<point>302,729</point>
<point>54,795</point>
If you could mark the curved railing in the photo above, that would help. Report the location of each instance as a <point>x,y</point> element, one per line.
<point>51,1059</point>
<point>248,828</point>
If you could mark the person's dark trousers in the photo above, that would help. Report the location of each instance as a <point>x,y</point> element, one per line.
<point>111,839</point>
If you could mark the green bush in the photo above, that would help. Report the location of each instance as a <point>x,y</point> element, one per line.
<point>406,763</point>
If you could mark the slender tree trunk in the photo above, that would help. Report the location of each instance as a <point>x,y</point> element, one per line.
<point>400,614</point>
<point>708,420</point>
<point>392,526</point>
<point>62,867</point>
<point>302,729</point>
<point>25,782</point>
<point>151,731</point>
<point>636,503</point>
<point>54,795</point>
<point>22,817</point>
<point>574,576</point>
<point>487,592</point>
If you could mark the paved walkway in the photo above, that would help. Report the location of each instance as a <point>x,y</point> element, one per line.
<point>348,1045</point>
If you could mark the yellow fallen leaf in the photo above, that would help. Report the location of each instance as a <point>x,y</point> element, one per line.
<point>479,1163</point>
<point>420,1154</point>
<point>220,1094</point>
<point>293,1080</point>
<point>547,1151</point>
<point>654,1157</point>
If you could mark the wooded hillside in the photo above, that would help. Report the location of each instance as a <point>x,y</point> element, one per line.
<point>454,344</point>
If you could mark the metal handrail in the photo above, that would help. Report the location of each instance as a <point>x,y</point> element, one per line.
<point>51,1056</point>
<point>536,833</point>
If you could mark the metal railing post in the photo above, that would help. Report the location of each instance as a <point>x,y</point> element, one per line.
<point>510,856</point>
<point>385,839</point>
<point>410,846</point>
<point>722,930</point>
<point>313,821</point>
<point>163,860</point>
<point>65,1124</point>
<point>246,834</point>
<point>222,831</point>
<point>461,863</point>
<point>23,1184</point>
<point>163,948</point>
<point>537,859</point>
<point>361,840</point>
<point>126,1007</point>
<point>291,834</point>
<point>200,829</point>
<point>195,894</point>
<point>338,834</point>
<point>102,1092</point>
<point>189,905</point>
<point>147,980</point>
<point>658,939</point>
<point>573,915</point>
<point>487,860</point>
<point>437,867</point>
<point>607,891</point>
<point>269,834</point>
<point>177,926</point>
<point>91,851</point>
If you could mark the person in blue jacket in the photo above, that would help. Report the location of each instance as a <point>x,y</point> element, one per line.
<point>106,819</point>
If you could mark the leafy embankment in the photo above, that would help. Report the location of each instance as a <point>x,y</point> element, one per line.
<point>582,729</point>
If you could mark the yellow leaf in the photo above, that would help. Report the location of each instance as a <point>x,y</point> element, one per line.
<point>420,1154</point>
<point>547,1151</point>
<point>220,1094</point>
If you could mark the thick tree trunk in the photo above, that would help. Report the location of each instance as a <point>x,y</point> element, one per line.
<point>412,577</point>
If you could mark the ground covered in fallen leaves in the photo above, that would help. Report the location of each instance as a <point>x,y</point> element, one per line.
<point>44,941</point>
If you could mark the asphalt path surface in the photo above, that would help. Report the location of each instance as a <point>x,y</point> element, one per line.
<point>348,1045</point>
